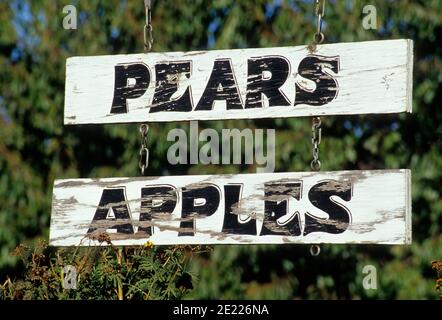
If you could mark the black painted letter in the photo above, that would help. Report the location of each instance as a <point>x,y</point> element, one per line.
<point>156,202</point>
<point>276,205</point>
<point>124,89</point>
<point>115,200</point>
<point>312,68</point>
<point>210,195</point>
<point>167,80</point>
<point>232,223</point>
<point>221,86</point>
<point>339,216</point>
<point>257,85</point>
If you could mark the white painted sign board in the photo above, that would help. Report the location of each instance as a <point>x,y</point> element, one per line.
<point>303,207</point>
<point>343,78</point>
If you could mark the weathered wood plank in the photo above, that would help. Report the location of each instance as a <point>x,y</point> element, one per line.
<point>344,78</point>
<point>304,207</point>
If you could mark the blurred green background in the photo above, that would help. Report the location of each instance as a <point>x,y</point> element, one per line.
<point>35,147</point>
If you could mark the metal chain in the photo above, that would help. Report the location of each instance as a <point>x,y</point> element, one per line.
<point>316,141</point>
<point>315,164</point>
<point>144,128</point>
<point>144,152</point>
<point>148,38</point>
<point>318,37</point>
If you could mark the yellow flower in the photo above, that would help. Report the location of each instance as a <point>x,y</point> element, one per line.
<point>148,245</point>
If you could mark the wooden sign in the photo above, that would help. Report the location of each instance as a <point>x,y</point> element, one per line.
<point>344,78</point>
<point>304,207</point>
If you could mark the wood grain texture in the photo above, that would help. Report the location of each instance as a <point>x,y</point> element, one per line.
<point>315,204</point>
<point>372,77</point>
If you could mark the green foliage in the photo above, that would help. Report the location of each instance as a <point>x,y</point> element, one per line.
<point>35,147</point>
<point>102,273</point>
<point>437,266</point>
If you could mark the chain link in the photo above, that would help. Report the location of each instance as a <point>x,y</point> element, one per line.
<point>144,152</point>
<point>316,141</point>
<point>318,37</point>
<point>148,37</point>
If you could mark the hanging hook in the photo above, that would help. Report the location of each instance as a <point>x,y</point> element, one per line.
<point>318,37</point>
<point>315,250</point>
